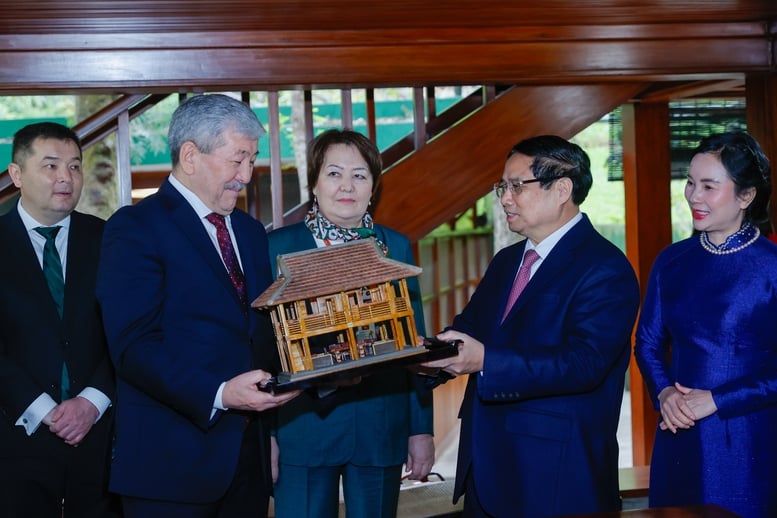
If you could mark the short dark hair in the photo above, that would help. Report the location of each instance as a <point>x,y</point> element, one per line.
<point>24,138</point>
<point>746,165</point>
<point>556,157</point>
<point>318,147</point>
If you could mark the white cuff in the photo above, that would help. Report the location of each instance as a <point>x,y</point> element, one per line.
<point>218,404</point>
<point>97,398</point>
<point>34,414</point>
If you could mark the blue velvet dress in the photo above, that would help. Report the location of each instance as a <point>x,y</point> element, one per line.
<point>714,317</point>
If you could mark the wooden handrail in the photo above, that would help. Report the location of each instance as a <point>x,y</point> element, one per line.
<point>433,127</point>
<point>106,121</point>
<point>95,127</point>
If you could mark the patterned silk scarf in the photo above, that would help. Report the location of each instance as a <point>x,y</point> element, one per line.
<point>327,231</point>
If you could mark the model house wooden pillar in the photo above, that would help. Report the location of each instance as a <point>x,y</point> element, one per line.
<point>646,177</point>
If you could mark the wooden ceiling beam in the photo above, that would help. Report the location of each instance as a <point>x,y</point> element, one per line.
<point>502,32</point>
<point>253,68</point>
<point>89,16</point>
<point>144,46</point>
<point>685,90</point>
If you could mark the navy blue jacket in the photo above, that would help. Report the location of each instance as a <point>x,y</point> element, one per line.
<point>176,331</point>
<point>539,425</point>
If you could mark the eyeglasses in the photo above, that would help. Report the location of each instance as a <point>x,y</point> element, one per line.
<point>516,186</point>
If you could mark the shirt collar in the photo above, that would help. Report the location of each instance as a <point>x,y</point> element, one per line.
<point>547,244</point>
<point>199,207</point>
<point>31,223</point>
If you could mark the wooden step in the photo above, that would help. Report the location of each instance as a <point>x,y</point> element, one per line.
<point>634,481</point>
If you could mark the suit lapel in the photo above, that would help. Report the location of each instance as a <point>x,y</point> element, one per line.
<point>556,263</point>
<point>183,216</point>
<point>25,262</point>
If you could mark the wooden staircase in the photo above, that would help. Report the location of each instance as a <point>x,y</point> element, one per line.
<point>449,161</point>
<point>449,173</point>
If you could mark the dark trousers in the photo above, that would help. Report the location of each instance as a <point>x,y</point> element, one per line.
<point>248,494</point>
<point>68,486</point>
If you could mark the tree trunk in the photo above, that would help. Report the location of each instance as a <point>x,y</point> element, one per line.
<point>100,195</point>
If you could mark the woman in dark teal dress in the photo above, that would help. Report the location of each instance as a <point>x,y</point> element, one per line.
<point>707,340</point>
<point>362,433</point>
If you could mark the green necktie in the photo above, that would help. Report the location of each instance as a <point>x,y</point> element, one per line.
<point>52,271</point>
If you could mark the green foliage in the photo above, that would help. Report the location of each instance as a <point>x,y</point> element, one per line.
<point>149,132</point>
<point>38,106</point>
<point>682,225</point>
<point>605,204</point>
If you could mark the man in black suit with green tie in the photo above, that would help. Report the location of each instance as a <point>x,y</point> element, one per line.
<point>56,380</point>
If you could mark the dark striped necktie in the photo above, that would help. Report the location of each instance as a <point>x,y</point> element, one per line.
<point>52,271</point>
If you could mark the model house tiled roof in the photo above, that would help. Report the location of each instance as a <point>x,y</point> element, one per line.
<point>332,269</point>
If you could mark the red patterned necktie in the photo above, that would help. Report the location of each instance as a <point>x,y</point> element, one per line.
<point>521,280</point>
<point>229,256</point>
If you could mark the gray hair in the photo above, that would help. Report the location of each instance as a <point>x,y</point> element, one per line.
<point>204,119</point>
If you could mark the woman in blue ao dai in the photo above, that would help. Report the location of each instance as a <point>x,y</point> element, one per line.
<point>707,340</point>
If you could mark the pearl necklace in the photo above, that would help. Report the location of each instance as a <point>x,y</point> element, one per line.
<point>723,249</point>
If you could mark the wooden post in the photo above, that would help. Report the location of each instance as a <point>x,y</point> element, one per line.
<point>646,178</point>
<point>761,106</point>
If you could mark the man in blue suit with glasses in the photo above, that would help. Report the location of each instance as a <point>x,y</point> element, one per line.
<point>546,339</point>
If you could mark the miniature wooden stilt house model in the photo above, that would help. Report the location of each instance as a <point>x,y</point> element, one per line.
<point>338,307</point>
